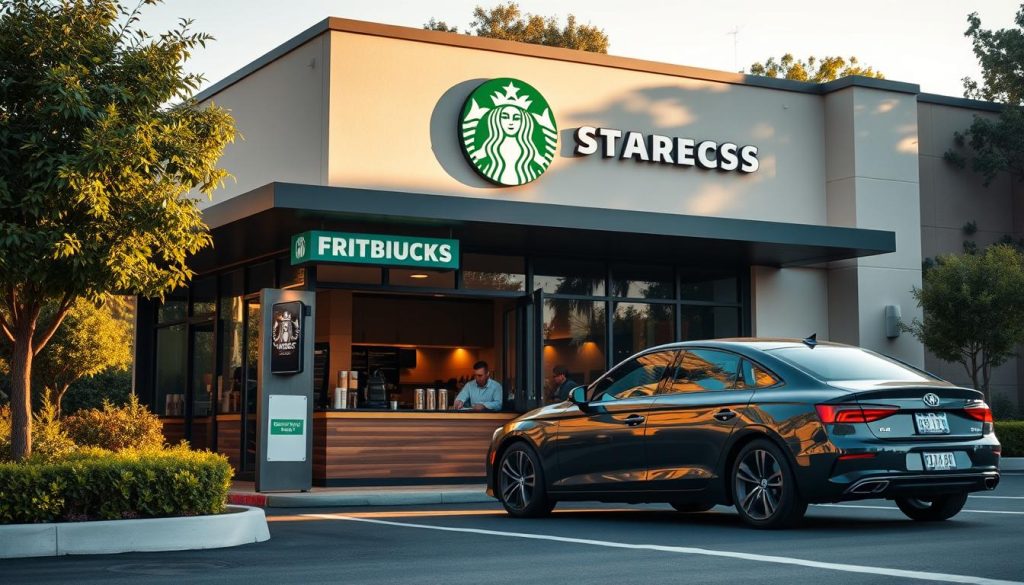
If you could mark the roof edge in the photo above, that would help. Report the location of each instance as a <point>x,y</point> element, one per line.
<point>957,102</point>
<point>543,52</point>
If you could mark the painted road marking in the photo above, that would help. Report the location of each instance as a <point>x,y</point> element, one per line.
<point>998,497</point>
<point>897,509</point>
<point>944,577</point>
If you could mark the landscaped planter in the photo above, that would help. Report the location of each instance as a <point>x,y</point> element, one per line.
<point>238,525</point>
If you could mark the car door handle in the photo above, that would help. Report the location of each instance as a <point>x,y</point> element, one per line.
<point>634,420</point>
<point>724,414</point>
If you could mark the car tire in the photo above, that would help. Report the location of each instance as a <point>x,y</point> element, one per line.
<point>933,509</point>
<point>764,487</point>
<point>691,507</point>
<point>521,487</point>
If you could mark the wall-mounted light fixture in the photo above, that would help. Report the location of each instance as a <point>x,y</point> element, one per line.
<point>892,321</point>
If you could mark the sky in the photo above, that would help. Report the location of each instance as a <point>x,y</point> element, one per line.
<point>916,41</point>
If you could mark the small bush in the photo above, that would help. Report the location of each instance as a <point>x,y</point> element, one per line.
<point>1011,435</point>
<point>131,426</point>
<point>49,439</point>
<point>90,392</point>
<point>93,484</point>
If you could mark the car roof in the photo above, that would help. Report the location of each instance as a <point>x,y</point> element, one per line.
<point>759,343</point>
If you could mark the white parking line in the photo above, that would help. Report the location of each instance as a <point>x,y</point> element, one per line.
<point>998,497</point>
<point>943,577</point>
<point>897,509</point>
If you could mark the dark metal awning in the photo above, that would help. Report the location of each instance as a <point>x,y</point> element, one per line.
<point>262,221</point>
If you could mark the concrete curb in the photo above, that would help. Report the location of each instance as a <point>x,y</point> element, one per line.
<point>381,498</point>
<point>238,525</point>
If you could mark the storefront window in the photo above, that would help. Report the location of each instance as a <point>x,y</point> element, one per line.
<point>638,326</point>
<point>170,371</point>
<point>204,295</point>
<point>232,329</point>
<point>643,282</point>
<point>574,337</point>
<point>703,287</point>
<point>569,277</point>
<point>173,307</point>
<point>327,273</point>
<point>421,278</point>
<point>259,276</point>
<point>709,322</point>
<point>487,272</point>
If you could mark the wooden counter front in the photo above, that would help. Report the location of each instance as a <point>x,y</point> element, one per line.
<point>379,448</point>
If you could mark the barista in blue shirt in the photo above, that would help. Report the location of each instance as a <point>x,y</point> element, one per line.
<point>481,394</point>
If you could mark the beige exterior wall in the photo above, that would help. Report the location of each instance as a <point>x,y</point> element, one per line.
<point>395,105</point>
<point>872,167</point>
<point>280,114</point>
<point>789,302</point>
<point>951,197</point>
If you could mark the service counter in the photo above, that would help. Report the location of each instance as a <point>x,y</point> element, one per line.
<point>365,447</point>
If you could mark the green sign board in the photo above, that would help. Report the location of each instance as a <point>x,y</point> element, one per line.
<point>286,426</point>
<point>380,250</point>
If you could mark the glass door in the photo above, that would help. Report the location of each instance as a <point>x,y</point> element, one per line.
<point>202,385</point>
<point>250,426</point>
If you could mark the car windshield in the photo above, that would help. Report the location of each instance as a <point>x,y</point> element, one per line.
<point>833,364</point>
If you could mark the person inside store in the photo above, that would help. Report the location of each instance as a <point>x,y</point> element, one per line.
<point>562,384</point>
<point>481,394</point>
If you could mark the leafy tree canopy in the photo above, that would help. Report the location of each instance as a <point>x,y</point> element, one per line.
<point>995,145</point>
<point>973,310</point>
<point>100,146</point>
<point>506,22</point>
<point>813,69</point>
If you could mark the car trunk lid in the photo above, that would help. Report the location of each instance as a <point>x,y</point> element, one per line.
<point>919,412</point>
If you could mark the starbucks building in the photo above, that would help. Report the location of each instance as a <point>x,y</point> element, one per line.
<point>448,199</point>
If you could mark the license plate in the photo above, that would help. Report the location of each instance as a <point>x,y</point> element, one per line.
<point>939,461</point>
<point>931,423</point>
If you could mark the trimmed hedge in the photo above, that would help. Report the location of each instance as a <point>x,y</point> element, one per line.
<point>95,484</point>
<point>1011,435</point>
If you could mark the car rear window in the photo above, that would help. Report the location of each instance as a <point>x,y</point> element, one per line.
<point>848,363</point>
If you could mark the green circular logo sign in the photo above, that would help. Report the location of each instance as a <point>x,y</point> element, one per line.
<point>508,132</point>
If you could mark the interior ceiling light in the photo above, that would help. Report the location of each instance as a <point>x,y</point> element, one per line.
<point>419,275</point>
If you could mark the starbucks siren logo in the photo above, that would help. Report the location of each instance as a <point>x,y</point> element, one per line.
<point>300,247</point>
<point>508,132</point>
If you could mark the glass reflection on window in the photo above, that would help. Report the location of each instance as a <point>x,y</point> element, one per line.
<point>638,326</point>
<point>701,370</point>
<point>709,323</point>
<point>643,282</point>
<point>569,277</point>
<point>574,337</point>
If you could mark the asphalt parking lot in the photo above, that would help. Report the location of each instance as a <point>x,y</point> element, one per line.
<point>863,542</point>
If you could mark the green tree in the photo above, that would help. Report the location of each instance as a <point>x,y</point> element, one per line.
<point>973,310</point>
<point>813,69</point>
<point>89,341</point>
<point>995,145</point>
<point>101,148</point>
<point>506,22</point>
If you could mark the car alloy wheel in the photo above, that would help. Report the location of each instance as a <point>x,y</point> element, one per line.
<point>521,483</point>
<point>764,489</point>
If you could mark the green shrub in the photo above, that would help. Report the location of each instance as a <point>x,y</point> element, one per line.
<point>131,426</point>
<point>1011,435</point>
<point>90,392</point>
<point>93,484</point>
<point>49,439</point>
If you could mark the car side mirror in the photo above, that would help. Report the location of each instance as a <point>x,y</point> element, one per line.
<point>578,395</point>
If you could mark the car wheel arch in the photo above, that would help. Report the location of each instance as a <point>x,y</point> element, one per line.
<point>745,437</point>
<point>505,445</point>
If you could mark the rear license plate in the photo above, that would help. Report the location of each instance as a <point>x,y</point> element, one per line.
<point>939,461</point>
<point>931,423</point>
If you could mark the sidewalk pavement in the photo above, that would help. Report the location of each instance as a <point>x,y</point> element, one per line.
<point>244,493</point>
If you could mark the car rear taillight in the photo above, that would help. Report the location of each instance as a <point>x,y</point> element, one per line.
<point>979,412</point>
<point>853,413</point>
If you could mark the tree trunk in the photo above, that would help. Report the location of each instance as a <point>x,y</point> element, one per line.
<point>58,396</point>
<point>21,389</point>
